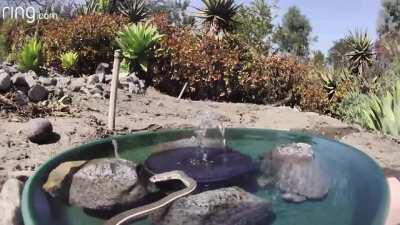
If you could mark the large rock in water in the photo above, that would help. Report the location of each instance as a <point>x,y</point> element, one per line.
<point>102,184</point>
<point>10,203</point>
<point>226,206</point>
<point>296,172</point>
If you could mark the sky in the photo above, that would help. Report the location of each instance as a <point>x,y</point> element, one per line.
<point>331,19</point>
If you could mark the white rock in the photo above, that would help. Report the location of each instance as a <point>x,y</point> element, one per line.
<point>10,203</point>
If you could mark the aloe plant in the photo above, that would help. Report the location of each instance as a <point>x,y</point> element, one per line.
<point>29,57</point>
<point>218,15</point>
<point>360,56</point>
<point>136,10</point>
<point>384,112</point>
<point>136,42</point>
<point>69,60</point>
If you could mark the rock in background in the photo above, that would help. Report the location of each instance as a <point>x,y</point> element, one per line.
<point>226,206</point>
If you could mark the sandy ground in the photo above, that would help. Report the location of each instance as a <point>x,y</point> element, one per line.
<point>156,111</point>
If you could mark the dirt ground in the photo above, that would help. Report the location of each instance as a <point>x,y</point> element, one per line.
<point>155,111</point>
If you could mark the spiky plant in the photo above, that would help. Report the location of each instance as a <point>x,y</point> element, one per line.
<point>136,10</point>
<point>361,55</point>
<point>328,81</point>
<point>29,57</point>
<point>218,15</point>
<point>384,112</point>
<point>137,42</point>
<point>69,60</point>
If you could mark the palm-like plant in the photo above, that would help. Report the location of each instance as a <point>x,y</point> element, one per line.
<point>136,10</point>
<point>29,57</point>
<point>384,112</point>
<point>360,56</point>
<point>218,15</point>
<point>137,42</point>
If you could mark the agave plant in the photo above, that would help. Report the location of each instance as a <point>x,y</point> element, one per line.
<point>29,57</point>
<point>360,56</point>
<point>328,81</point>
<point>218,15</point>
<point>94,6</point>
<point>384,112</point>
<point>136,10</point>
<point>137,42</point>
<point>69,60</point>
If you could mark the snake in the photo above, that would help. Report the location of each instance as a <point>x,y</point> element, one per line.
<point>137,213</point>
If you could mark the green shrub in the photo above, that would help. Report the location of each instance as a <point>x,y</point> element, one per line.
<point>90,36</point>
<point>30,55</point>
<point>353,108</point>
<point>3,48</point>
<point>69,60</point>
<point>137,42</point>
<point>384,112</point>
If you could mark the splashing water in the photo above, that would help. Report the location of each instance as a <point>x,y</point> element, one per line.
<point>208,121</point>
<point>115,145</point>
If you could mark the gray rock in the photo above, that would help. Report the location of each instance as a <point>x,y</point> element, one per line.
<point>21,98</point>
<point>135,85</point>
<point>58,92</point>
<point>93,79</point>
<point>38,93</point>
<point>296,173</point>
<point>226,206</point>
<point>5,81</point>
<point>77,84</point>
<point>101,71</point>
<point>97,95</point>
<point>23,81</point>
<point>63,82</point>
<point>45,81</point>
<point>108,78</point>
<point>10,203</point>
<point>11,69</point>
<point>39,130</point>
<point>105,183</point>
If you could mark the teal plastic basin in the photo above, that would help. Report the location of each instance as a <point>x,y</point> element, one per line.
<point>358,194</point>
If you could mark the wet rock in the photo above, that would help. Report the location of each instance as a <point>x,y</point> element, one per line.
<point>39,130</point>
<point>21,98</point>
<point>226,206</point>
<point>296,173</point>
<point>10,203</point>
<point>38,93</point>
<point>5,81</point>
<point>104,183</point>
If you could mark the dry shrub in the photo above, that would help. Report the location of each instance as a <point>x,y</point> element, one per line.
<point>91,36</point>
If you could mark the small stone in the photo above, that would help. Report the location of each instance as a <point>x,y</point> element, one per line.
<point>11,69</point>
<point>77,84</point>
<point>39,130</point>
<point>93,79</point>
<point>97,95</point>
<point>104,183</point>
<point>66,100</point>
<point>10,202</point>
<point>101,71</point>
<point>58,92</point>
<point>5,81</point>
<point>38,93</point>
<point>48,81</point>
<point>63,82</point>
<point>21,98</point>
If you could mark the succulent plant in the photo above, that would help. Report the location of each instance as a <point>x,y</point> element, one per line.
<point>69,60</point>
<point>360,56</point>
<point>136,10</point>
<point>29,57</point>
<point>218,15</point>
<point>136,42</point>
<point>384,112</point>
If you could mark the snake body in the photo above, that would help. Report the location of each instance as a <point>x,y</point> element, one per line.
<point>137,213</point>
